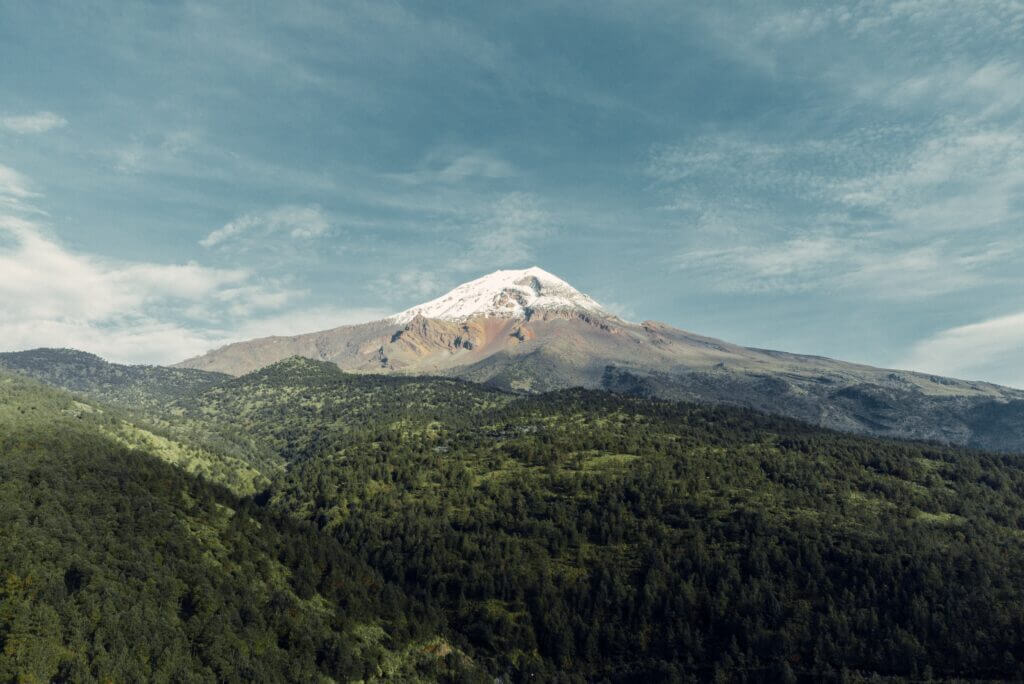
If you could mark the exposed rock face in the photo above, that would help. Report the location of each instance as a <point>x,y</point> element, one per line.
<point>530,331</point>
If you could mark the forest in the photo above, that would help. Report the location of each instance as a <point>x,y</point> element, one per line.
<point>300,523</point>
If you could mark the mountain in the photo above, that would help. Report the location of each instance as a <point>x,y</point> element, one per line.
<point>528,330</point>
<point>506,294</point>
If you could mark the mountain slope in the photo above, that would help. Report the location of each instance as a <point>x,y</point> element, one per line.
<point>137,407</point>
<point>79,371</point>
<point>588,536</point>
<point>119,567</point>
<point>299,407</point>
<point>531,331</point>
<point>569,536</point>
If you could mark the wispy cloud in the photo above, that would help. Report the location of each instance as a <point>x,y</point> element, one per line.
<point>410,284</point>
<point>296,222</point>
<point>960,178</point>
<point>142,311</point>
<point>506,235</point>
<point>475,235</point>
<point>440,168</point>
<point>16,192</point>
<point>867,266</point>
<point>918,271</point>
<point>47,288</point>
<point>792,265</point>
<point>990,350</point>
<point>40,122</point>
<point>41,278</point>
<point>161,153</point>
<point>13,184</point>
<point>932,214</point>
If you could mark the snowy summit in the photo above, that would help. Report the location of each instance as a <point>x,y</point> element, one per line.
<point>504,294</point>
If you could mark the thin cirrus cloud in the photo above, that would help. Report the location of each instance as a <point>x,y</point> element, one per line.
<point>301,223</point>
<point>857,266</point>
<point>439,169</point>
<point>40,122</point>
<point>410,284</point>
<point>506,233</point>
<point>15,191</point>
<point>502,231</point>
<point>905,183</point>
<point>929,217</point>
<point>793,265</point>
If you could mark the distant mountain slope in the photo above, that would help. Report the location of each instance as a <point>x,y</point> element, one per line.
<point>299,407</point>
<point>531,331</point>
<point>80,371</point>
<point>139,407</point>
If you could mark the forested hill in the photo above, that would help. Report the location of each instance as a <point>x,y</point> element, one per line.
<point>120,567</point>
<point>641,540</point>
<point>584,536</point>
<point>136,386</point>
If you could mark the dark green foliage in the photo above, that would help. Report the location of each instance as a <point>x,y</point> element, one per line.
<point>118,567</point>
<point>147,396</point>
<point>574,536</point>
<point>304,408</point>
<point>637,539</point>
<point>139,386</point>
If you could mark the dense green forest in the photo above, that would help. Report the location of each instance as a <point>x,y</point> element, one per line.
<point>417,527</point>
<point>116,566</point>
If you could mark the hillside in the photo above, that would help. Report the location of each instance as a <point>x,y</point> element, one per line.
<point>138,405</point>
<point>119,567</point>
<point>584,536</point>
<point>641,540</point>
<point>77,371</point>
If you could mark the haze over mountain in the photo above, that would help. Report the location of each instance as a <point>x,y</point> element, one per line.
<point>529,330</point>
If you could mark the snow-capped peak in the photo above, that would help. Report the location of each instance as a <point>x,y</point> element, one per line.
<point>505,294</point>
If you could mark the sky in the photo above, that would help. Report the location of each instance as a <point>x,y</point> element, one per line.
<point>842,179</point>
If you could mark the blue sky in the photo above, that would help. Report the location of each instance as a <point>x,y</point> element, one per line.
<point>837,179</point>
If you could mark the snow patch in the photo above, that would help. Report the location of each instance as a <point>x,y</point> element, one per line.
<point>505,294</point>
